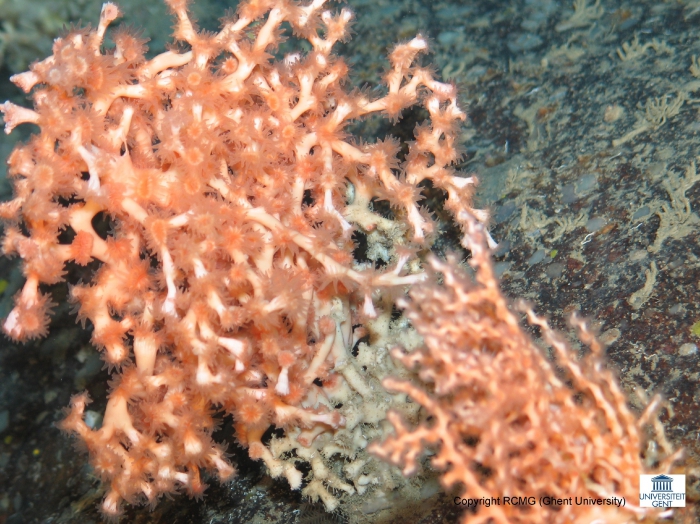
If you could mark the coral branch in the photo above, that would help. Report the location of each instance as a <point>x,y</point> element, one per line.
<point>501,417</point>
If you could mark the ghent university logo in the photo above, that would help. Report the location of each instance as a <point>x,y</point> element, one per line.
<point>662,491</point>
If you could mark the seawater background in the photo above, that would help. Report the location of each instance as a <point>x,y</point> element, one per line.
<point>608,232</point>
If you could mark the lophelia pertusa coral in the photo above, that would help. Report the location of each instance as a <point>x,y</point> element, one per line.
<point>227,280</point>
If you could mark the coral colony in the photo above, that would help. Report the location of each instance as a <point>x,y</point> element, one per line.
<point>228,281</point>
<point>503,406</point>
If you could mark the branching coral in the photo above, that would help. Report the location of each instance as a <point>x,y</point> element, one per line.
<point>228,279</point>
<point>506,420</point>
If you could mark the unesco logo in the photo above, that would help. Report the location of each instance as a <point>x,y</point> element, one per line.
<point>662,491</point>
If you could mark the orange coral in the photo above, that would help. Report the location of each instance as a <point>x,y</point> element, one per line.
<point>503,419</point>
<point>233,190</point>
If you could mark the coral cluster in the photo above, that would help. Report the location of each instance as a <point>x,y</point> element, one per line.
<point>230,279</point>
<point>227,280</point>
<point>554,434</point>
